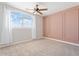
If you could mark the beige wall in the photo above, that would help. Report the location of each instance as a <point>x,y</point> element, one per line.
<point>71,25</point>
<point>53,25</point>
<point>1,19</point>
<point>39,27</point>
<point>62,25</point>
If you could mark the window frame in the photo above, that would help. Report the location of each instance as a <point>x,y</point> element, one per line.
<point>23,12</point>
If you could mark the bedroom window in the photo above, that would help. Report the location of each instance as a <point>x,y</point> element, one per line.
<point>20,19</point>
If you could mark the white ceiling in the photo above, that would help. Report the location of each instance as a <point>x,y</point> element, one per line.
<point>52,6</point>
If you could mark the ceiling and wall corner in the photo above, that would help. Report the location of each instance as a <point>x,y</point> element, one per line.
<point>53,7</point>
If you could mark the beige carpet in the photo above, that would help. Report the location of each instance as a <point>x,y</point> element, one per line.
<point>42,47</point>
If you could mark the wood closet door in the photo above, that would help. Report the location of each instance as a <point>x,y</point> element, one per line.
<point>71,25</point>
<point>53,26</point>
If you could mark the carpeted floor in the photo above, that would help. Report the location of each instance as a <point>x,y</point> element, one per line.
<point>41,47</point>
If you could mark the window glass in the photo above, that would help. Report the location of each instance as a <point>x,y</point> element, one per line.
<point>19,19</point>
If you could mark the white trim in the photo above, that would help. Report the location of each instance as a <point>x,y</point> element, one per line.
<point>75,44</point>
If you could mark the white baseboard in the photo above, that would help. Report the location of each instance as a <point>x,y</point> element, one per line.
<point>75,44</point>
